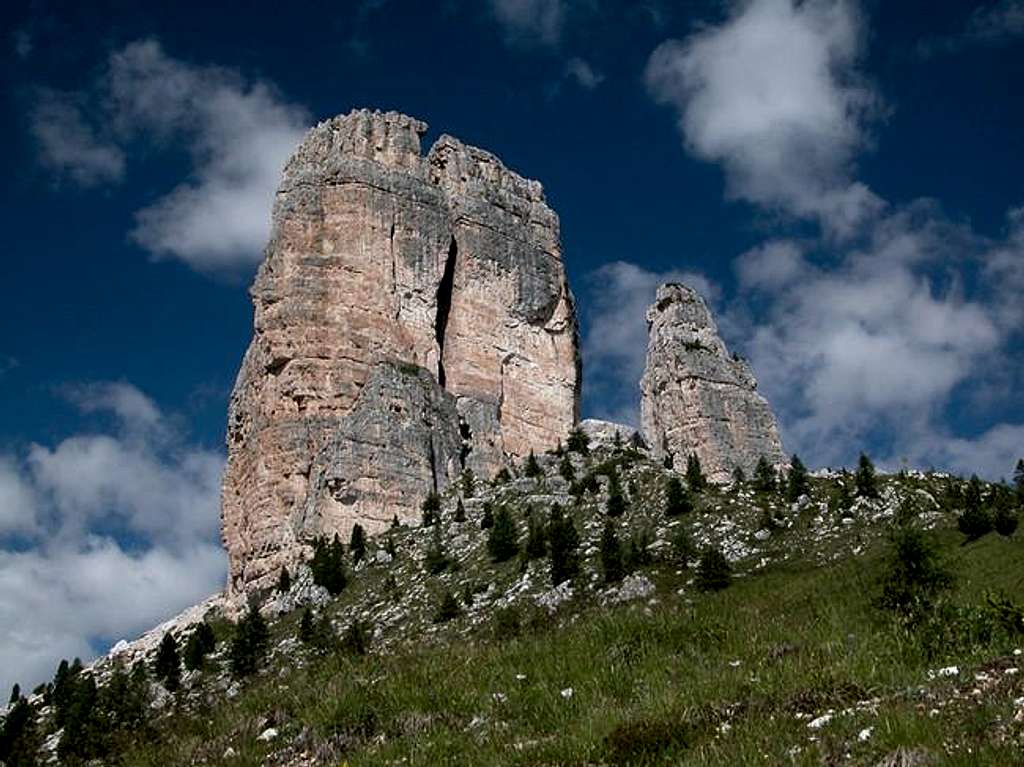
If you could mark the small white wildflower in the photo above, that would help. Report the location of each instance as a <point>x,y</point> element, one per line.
<point>567,693</point>
<point>865,734</point>
<point>735,663</point>
<point>499,697</point>
<point>268,734</point>
<point>821,721</point>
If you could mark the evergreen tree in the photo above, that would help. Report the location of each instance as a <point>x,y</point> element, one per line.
<point>448,608</point>
<point>249,646</point>
<point>19,741</point>
<point>356,639</point>
<point>578,441</point>
<point>167,667</point>
<point>611,554</point>
<point>15,693</point>
<point>976,520</point>
<point>357,544</point>
<point>83,734</point>
<point>487,520</point>
<point>739,477</point>
<point>566,469</point>
<point>563,542</point>
<point>532,469</point>
<point>468,483</point>
<point>914,574</point>
<point>194,656</point>
<point>284,581</point>
<point>764,476</point>
<point>503,539</point>
<point>637,554</point>
<point>502,477</point>
<point>616,504</point>
<point>668,461</point>
<point>435,560</point>
<point>684,550</point>
<point>636,442</point>
<point>1005,521</point>
<point>713,571</point>
<point>677,498</point>
<point>798,484</point>
<point>207,640</point>
<point>431,508</point>
<point>695,479</point>
<point>395,524</point>
<point>328,565</point>
<point>307,628</point>
<point>1018,481</point>
<point>867,485</point>
<point>536,541</point>
<point>460,511</point>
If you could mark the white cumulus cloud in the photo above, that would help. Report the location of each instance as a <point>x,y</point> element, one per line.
<point>238,133</point>
<point>117,531</point>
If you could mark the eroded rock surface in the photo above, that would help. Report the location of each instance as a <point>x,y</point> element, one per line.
<point>698,398</point>
<point>447,262</point>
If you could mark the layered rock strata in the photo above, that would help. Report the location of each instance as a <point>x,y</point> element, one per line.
<point>412,319</point>
<point>698,398</point>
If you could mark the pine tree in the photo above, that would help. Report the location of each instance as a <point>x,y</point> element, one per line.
<point>616,504</point>
<point>356,639</point>
<point>566,469</point>
<point>431,508</point>
<point>532,469</point>
<point>207,640</point>
<point>503,539</point>
<point>249,646</point>
<point>83,732</point>
<point>739,477</point>
<point>487,520</point>
<point>1018,481</point>
<point>764,476</point>
<point>1005,521</point>
<point>395,524</point>
<point>435,559</point>
<point>563,542</point>
<point>536,541</point>
<point>19,740</point>
<point>578,441</point>
<point>502,477</point>
<point>798,484</point>
<point>357,544</point>
<point>15,693</point>
<point>976,520</point>
<point>611,554</point>
<point>307,628</point>
<point>284,581</point>
<point>328,565</point>
<point>636,442</point>
<point>636,553</point>
<point>468,483</point>
<point>867,485</point>
<point>460,511</point>
<point>713,571</point>
<point>167,667</point>
<point>677,498</point>
<point>695,479</point>
<point>194,656</point>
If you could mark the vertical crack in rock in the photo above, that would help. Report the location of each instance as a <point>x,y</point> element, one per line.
<point>394,270</point>
<point>444,306</point>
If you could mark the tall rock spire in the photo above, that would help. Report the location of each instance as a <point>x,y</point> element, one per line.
<point>696,397</point>
<point>412,319</point>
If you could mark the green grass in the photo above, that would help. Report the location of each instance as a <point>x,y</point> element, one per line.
<point>731,678</point>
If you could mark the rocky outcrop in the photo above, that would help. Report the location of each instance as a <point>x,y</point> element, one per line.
<point>412,318</point>
<point>698,398</point>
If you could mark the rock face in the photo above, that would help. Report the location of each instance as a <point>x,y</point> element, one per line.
<point>412,318</point>
<point>696,397</point>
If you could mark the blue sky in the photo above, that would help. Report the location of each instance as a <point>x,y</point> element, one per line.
<point>843,179</point>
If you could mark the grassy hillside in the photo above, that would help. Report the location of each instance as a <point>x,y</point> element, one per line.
<point>793,663</point>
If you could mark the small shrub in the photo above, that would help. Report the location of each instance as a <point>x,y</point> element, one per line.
<point>642,741</point>
<point>713,572</point>
<point>914,575</point>
<point>684,550</point>
<point>1005,522</point>
<point>507,622</point>
<point>435,559</point>
<point>636,552</point>
<point>976,520</point>
<point>487,520</point>
<point>739,476</point>
<point>566,469</point>
<point>356,639</point>
<point>284,581</point>
<point>460,511</point>
<point>468,483</point>
<point>502,477</point>
<point>448,608</point>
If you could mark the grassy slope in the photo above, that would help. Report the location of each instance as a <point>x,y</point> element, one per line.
<point>685,678</point>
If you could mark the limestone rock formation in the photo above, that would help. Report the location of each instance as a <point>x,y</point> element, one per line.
<point>696,397</point>
<point>412,317</point>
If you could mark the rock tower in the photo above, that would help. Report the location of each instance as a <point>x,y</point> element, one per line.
<point>412,320</point>
<point>696,397</point>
